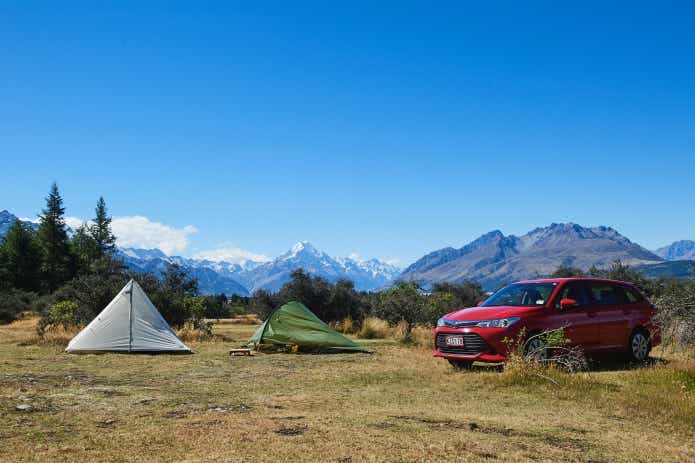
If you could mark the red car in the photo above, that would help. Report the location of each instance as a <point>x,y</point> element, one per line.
<point>597,315</point>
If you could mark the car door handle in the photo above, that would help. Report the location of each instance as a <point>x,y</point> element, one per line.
<point>591,314</point>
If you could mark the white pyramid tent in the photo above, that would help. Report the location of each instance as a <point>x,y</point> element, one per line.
<point>130,323</point>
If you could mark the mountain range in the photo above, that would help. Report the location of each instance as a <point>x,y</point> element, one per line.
<point>492,259</point>
<point>242,279</point>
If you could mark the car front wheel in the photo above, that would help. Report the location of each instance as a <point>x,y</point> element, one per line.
<point>536,349</point>
<point>639,346</point>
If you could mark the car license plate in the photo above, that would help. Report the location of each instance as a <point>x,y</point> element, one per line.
<point>454,341</point>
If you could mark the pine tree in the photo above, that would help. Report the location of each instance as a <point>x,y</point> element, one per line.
<point>101,230</point>
<point>85,248</point>
<point>20,258</point>
<point>57,260</point>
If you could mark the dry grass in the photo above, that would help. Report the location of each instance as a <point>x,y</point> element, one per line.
<point>398,404</point>
<point>248,319</point>
<point>374,328</point>
<point>56,336</point>
<point>423,336</point>
<point>345,326</point>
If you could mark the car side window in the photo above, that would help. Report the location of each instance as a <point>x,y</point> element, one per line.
<point>606,293</point>
<point>574,291</point>
<point>632,296</point>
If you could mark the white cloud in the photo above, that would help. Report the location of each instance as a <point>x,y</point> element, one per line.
<point>394,262</point>
<point>140,232</point>
<point>29,219</point>
<point>230,254</point>
<point>75,222</point>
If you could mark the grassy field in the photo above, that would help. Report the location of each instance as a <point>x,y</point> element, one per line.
<point>398,404</point>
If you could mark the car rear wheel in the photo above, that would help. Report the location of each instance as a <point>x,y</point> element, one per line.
<point>639,346</point>
<point>461,364</point>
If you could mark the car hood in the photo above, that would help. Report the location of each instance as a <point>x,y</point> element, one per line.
<point>485,313</point>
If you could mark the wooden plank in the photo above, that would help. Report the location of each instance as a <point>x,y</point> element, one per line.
<point>239,351</point>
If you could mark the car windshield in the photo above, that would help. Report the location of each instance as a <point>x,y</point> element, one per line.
<point>522,295</point>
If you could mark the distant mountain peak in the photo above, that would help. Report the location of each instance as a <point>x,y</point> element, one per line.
<point>678,250</point>
<point>301,248</point>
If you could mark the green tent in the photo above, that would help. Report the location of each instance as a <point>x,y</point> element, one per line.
<point>295,325</point>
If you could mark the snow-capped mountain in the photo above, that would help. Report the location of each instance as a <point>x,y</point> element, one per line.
<point>232,278</point>
<point>369,275</point>
<point>213,277</point>
<point>7,219</point>
<point>684,249</point>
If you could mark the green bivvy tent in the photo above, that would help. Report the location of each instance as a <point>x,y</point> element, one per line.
<point>295,325</point>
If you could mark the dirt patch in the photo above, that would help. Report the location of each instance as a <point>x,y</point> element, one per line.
<point>292,430</point>
<point>560,442</point>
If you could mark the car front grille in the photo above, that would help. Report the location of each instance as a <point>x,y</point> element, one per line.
<point>472,344</point>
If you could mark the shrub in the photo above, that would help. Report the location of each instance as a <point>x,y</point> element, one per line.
<point>527,365</point>
<point>63,314</point>
<point>195,331</point>
<point>676,316</point>
<point>13,303</point>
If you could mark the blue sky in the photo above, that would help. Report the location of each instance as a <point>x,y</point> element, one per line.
<point>387,131</point>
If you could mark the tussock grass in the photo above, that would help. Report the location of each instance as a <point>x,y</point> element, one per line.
<point>345,326</point>
<point>374,328</point>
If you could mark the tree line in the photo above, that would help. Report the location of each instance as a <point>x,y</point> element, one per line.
<point>70,279</point>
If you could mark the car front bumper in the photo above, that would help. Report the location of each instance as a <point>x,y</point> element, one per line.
<point>480,344</point>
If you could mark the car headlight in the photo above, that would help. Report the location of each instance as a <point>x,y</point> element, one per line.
<point>441,322</point>
<point>498,322</point>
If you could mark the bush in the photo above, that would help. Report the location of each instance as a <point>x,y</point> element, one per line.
<point>524,364</point>
<point>63,314</point>
<point>194,330</point>
<point>14,302</point>
<point>676,316</point>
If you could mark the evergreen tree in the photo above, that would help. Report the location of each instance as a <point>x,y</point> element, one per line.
<point>86,248</point>
<point>20,258</point>
<point>57,261</point>
<point>101,230</point>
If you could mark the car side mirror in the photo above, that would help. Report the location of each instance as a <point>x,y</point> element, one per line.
<point>567,303</point>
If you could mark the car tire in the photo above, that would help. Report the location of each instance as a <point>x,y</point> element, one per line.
<point>639,346</point>
<point>535,348</point>
<point>461,365</point>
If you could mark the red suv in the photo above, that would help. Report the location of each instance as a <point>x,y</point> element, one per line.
<point>597,315</point>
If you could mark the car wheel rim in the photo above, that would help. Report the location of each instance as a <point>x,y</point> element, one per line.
<point>536,349</point>
<point>640,346</point>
